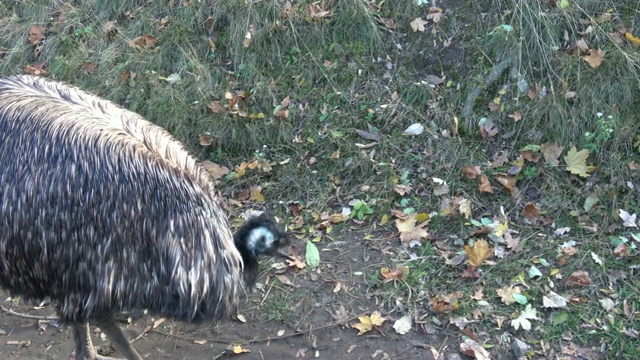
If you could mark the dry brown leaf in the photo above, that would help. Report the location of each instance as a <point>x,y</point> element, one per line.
<point>485,185</point>
<point>531,211</point>
<point>217,171</point>
<point>594,58</point>
<point>551,153</point>
<point>36,34</point>
<point>402,190</point>
<point>508,181</point>
<point>146,41</point>
<point>512,243</point>
<point>479,253</point>
<point>394,274</point>
<point>418,25</point>
<point>579,278</point>
<point>89,67</point>
<point>471,171</point>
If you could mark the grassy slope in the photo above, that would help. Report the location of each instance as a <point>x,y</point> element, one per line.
<point>350,72</point>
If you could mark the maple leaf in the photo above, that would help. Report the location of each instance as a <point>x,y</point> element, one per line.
<point>409,231</point>
<point>471,348</point>
<point>512,243</point>
<point>418,25</point>
<point>594,58</point>
<point>478,253</point>
<point>506,294</point>
<point>629,220</point>
<point>634,40</point>
<point>522,321</point>
<point>367,323</point>
<point>577,162</point>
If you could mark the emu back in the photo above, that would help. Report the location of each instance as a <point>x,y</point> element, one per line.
<point>102,211</point>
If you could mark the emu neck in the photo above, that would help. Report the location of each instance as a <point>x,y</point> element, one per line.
<point>249,259</point>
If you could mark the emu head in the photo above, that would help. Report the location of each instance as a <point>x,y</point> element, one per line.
<point>260,235</point>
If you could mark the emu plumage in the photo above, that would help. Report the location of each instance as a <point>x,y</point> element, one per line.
<point>102,211</point>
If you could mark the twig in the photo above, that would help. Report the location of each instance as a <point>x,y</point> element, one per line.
<point>267,339</point>
<point>27,316</point>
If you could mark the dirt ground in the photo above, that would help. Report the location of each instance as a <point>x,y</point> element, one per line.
<point>283,321</point>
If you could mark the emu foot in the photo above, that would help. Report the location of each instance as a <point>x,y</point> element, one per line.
<point>84,346</point>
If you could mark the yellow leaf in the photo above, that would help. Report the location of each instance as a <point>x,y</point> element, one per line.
<point>577,162</point>
<point>364,325</point>
<point>634,40</point>
<point>238,349</point>
<point>368,322</point>
<point>376,318</point>
<point>479,253</point>
<point>256,194</point>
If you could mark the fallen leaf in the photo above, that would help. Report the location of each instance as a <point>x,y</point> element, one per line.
<point>36,34</point>
<point>471,348</point>
<point>400,273</point>
<point>506,294</point>
<point>312,255</point>
<point>216,107</point>
<point>256,193</point>
<point>577,162</point>
<point>594,58</point>
<point>551,153</point>
<point>440,186</point>
<point>634,40</point>
<point>607,304</point>
<point>516,116</point>
<point>414,129</point>
<point>367,135</point>
<point>367,323</point>
<point>409,231</point>
<point>89,67</point>
<point>579,278</point>
<point>216,170</point>
<point>145,40</point>
<point>480,252</point>
<point>485,185</point>
<point>403,325</point>
<point>553,300</point>
<point>629,220</point>
<point>238,349</point>
<point>471,171</point>
<point>418,25</point>
<point>531,211</point>
<point>402,190</point>
<point>522,321</point>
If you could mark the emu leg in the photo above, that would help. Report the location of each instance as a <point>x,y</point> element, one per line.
<point>84,346</point>
<point>114,333</point>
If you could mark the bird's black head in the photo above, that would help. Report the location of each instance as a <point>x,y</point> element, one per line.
<point>260,235</point>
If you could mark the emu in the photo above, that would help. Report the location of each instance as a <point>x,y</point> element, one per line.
<point>102,211</point>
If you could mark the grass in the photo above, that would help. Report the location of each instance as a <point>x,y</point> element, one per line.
<point>350,71</point>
